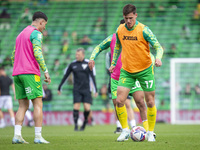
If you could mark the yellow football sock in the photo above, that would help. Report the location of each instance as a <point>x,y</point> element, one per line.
<point>145,125</point>
<point>151,117</point>
<point>122,116</point>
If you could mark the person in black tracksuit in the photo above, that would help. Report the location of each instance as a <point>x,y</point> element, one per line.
<point>82,76</point>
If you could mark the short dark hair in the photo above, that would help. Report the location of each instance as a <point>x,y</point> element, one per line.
<point>129,8</point>
<point>122,21</point>
<point>39,14</point>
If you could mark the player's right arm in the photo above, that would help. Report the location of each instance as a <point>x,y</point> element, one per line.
<point>98,49</point>
<point>102,46</point>
<point>67,73</point>
<point>116,53</point>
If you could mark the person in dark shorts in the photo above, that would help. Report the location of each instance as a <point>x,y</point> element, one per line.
<point>82,76</point>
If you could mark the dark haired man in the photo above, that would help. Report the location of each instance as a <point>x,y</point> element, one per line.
<point>134,38</point>
<point>136,91</point>
<point>82,89</point>
<point>27,60</point>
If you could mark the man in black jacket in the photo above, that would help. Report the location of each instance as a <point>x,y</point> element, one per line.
<point>82,76</point>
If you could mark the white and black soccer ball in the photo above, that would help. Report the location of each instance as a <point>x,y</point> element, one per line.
<point>138,134</point>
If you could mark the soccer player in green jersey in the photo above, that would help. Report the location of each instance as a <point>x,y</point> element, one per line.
<point>27,60</point>
<point>134,38</point>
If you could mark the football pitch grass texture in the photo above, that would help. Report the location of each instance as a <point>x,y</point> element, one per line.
<point>101,137</point>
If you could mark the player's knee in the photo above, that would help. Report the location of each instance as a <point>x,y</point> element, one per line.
<point>114,102</point>
<point>150,103</point>
<point>141,105</point>
<point>119,102</point>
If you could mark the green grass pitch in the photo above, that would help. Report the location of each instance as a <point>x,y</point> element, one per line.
<point>101,137</point>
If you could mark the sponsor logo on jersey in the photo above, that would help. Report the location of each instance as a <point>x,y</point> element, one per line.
<point>130,38</point>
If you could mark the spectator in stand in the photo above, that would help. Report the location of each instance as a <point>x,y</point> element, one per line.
<point>4,20</point>
<point>173,51</point>
<point>152,10</point>
<point>47,98</point>
<point>99,25</point>
<point>26,16</point>
<point>85,40</point>
<point>196,17</point>
<point>161,11</point>
<point>173,4</point>
<point>7,62</point>
<point>56,67</point>
<point>74,38</point>
<point>65,47</point>
<point>197,89</point>
<point>4,4</point>
<point>188,89</point>
<point>65,37</point>
<point>185,32</point>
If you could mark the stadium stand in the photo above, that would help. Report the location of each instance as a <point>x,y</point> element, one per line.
<point>81,16</point>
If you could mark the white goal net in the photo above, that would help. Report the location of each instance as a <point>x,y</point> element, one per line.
<point>185,90</point>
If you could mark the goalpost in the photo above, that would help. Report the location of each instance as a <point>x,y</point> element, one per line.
<point>185,106</point>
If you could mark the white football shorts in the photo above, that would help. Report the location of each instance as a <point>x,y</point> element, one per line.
<point>6,102</point>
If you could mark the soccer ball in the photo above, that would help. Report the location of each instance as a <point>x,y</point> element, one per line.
<point>138,134</point>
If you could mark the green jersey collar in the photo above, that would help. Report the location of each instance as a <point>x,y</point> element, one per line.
<point>136,23</point>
